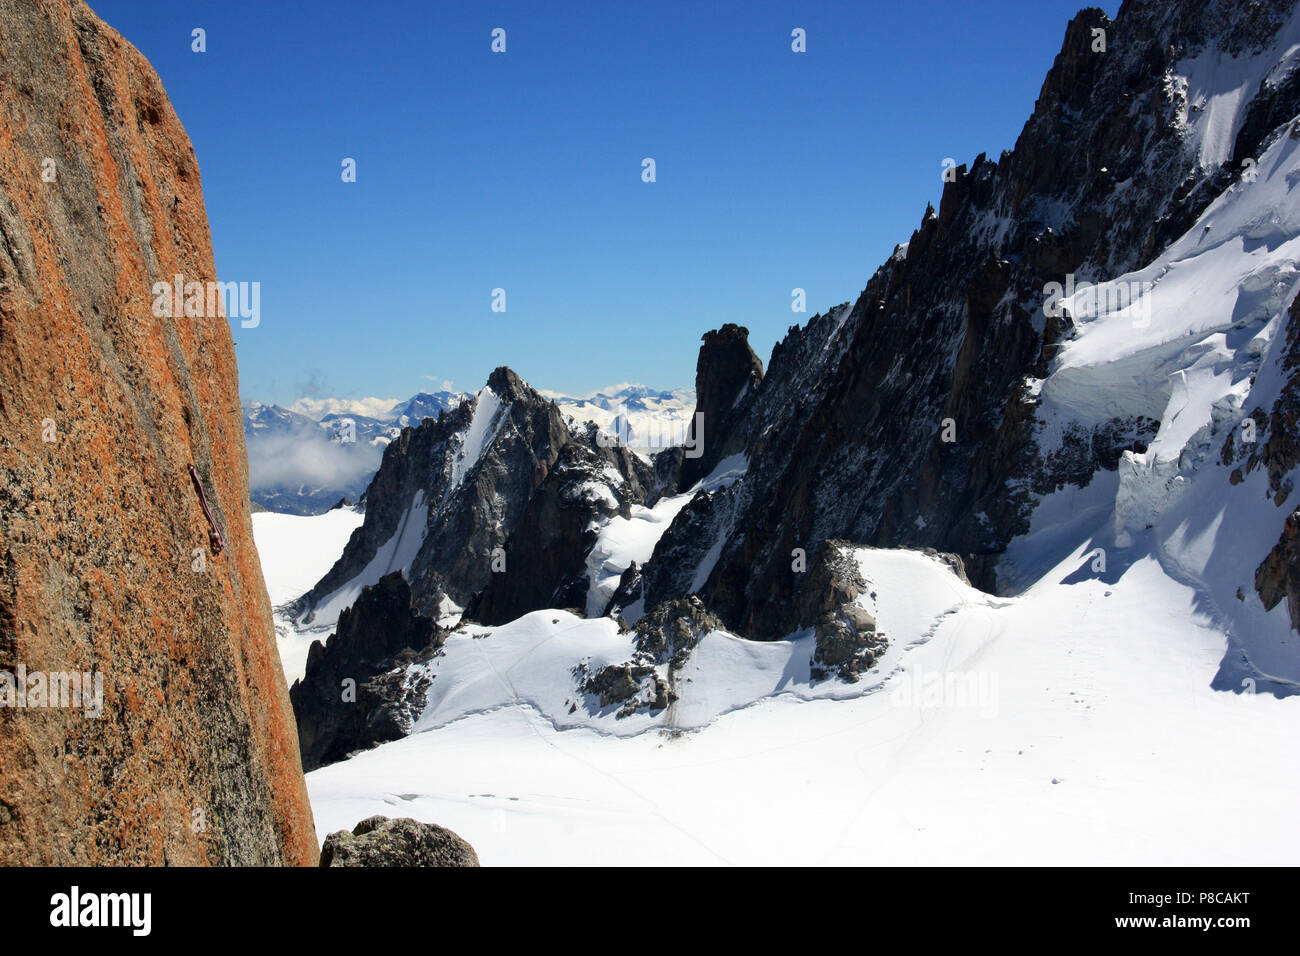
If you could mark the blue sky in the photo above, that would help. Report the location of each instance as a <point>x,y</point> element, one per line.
<point>522,171</point>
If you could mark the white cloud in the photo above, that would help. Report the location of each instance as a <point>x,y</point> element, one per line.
<point>309,459</point>
<point>317,408</point>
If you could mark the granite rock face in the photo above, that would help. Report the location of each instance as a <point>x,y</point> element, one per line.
<point>108,564</point>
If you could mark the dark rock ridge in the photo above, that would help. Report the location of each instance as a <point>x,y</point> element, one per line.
<point>506,490</point>
<point>845,434</point>
<point>106,565</point>
<point>360,688</point>
<point>380,841</point>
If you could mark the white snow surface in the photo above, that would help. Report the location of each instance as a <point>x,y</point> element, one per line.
<point>947,753</point>
<point>622,541</point>
<point>1073,724</point>
<point>1196,349</point>
<point>296,552</point>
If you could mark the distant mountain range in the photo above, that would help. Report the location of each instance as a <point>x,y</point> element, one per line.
<point>303,465</point>
<point>300,464</point>
<point>642,418</point>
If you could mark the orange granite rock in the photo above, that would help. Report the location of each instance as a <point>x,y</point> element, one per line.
<point>106,562</point>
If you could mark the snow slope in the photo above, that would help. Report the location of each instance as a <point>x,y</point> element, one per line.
<point>1195,345</point>
<point>1073,724</point>
<point>489,416</point>
<point>296,552</point>
<point>1215,88</point>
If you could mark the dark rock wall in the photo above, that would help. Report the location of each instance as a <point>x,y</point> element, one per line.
<point>355,692</point>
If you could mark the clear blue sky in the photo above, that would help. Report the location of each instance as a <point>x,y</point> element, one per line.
<point>522,170</point>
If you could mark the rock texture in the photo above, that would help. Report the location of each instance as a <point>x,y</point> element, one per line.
<point>105,556</point>
<point>379,841</point>
<point>847,640</point>
<point>357,691</point>
<point>727,374</point>
<point>1278,453</point>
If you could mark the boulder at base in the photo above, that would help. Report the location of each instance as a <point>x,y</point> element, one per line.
<point>379,841</point>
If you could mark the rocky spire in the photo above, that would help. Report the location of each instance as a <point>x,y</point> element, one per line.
<point>727,373</point>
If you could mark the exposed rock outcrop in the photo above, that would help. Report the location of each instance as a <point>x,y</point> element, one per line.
<point>847,644</point>
<point>1278,576</point>
<point>380,841</point>
<point>108,566</point>
<point>1277,451</point>
<point>359,689</point>
<point>664,636</point>
<point>847,640</point>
